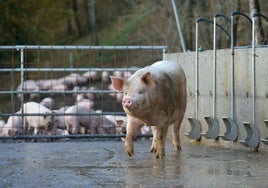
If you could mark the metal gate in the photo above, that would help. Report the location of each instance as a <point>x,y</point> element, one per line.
<point>58,77</point>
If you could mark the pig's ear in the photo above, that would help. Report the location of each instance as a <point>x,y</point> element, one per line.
<point>117,83</point>
<point>148,79</point>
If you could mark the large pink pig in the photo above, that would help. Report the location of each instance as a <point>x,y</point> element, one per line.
<point>155,96</point>
<point>35,122</point>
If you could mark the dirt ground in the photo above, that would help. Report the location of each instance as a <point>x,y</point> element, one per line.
<point>104,164</point>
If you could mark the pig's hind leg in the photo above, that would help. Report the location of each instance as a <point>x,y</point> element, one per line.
<point>176,135</point>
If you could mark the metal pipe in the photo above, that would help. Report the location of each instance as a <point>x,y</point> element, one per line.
<point>178,25</point>
<point>219,26</point>
<point>260,15</point>
<point>22,82</point>
<point>71,136</point>
<point>196,70</point>
<point>194,122</point>
<point>65,114</point>
<point>242,14</point>
<point>67,69</point>
<point>214,67</point>
<point>81,47</point>
<point>253,66</point>
<point>253,134</point>
<point>232,67</point>
<point>59,92</point>
<point>253,73</point>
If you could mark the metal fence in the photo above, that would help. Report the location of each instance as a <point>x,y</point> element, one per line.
<point>58,77</point>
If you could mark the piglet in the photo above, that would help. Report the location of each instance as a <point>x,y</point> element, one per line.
<point>155,96</point>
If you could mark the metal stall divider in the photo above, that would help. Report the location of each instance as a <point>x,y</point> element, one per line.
<point>231,133</point>
<point>264,140</point>
<point>213,123</point>
<point>253,136</point>
<point>195,132</point>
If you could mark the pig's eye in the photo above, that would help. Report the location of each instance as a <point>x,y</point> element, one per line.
<point>125,93</point>
<point>140,91</point>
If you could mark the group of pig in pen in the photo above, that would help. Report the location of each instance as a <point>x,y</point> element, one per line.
<point>66,90</point>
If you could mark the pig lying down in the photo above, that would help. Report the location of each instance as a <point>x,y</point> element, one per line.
<point>155,96</point>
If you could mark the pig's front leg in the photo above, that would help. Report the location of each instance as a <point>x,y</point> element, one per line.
<point>133,126</point>
<point>159,138</point>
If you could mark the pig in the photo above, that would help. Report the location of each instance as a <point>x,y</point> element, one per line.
<point>47,102</point>
<point>105,76</point>
<point>2,123</point>
<point>13,127</point>
<point>4,130</point>
<point>76,79</point>
<point>87,103</point>
<point>90,124</point>
<point>29,85</point>
<point>92,94</point>
<point>155,96</point>
<point>48,84</point>
<point>119,121</point>
<point>59,119</point>
<point>91,75</point>
<point>36,122</point>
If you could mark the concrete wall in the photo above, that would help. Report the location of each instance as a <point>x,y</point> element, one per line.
<point>242,85</point>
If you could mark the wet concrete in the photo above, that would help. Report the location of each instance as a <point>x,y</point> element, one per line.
<point>104,164</point>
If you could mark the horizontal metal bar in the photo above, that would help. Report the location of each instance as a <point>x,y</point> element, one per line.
<point>64,114</point>
<point>60,47</point>
<point>67,69</point>
<point>71,136</point>
<point>58,92</point>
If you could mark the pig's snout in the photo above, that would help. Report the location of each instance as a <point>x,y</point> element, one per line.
<point>127,102</point>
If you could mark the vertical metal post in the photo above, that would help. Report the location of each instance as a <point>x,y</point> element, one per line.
<point>197,71</point>
<point>253,73</point>
<point>22,84</point>
<point>178,25</point>
<point>232,67</point>
<point>253,133</point>
<point>194,122</point>
<point>214,68</point>
<point>164,52</point>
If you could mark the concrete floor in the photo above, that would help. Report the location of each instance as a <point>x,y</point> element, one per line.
<point>104,164</point>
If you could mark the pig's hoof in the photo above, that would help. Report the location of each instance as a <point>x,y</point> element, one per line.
<point>160,155</point>
<point>129,150</point>
<point>177,147</point>
<point>153,149</point>
<point>130,154</point>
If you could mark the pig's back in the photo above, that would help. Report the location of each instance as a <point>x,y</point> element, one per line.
<point>166,67</point>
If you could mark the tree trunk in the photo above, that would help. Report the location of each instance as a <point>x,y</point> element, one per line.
<point>254,7</point>
<point>237,8</point>
<point>93,27</point>
<point>77,21</point>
